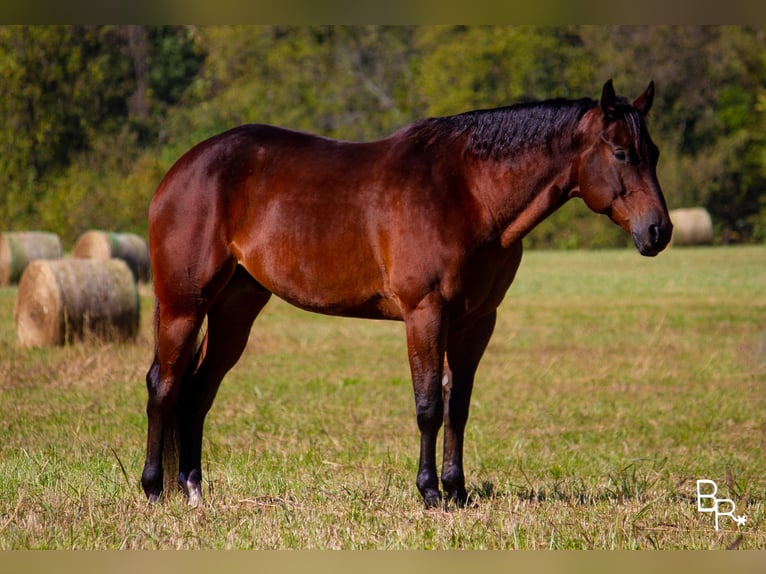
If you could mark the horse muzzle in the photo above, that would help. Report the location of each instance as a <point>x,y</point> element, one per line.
<point>652,237</point>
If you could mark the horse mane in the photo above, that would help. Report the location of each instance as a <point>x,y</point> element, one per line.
<point>502,132</point>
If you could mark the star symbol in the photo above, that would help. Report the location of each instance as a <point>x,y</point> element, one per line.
<point>740,519</point>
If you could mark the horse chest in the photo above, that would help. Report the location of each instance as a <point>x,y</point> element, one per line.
<point>478,284</point>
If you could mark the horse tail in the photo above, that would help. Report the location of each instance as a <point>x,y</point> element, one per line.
<point>171,432</point>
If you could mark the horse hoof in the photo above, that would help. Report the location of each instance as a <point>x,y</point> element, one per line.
<point>153,498</point>
<point>432,500</point>
<point>195,499</point>
<point>193,494</point>
<point>458,498</point>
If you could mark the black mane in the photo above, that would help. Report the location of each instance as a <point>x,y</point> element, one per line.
<point>502,132</point>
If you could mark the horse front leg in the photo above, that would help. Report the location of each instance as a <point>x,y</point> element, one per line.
<point>465,348</point>
<point>426,336</point>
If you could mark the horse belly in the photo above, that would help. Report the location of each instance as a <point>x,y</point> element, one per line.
<point>320,266</point>
<point>323,287</point>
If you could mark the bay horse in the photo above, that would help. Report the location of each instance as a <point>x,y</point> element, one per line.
<point>424,226</point>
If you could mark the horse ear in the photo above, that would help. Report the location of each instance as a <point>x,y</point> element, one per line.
<point>644,102</point>
<point>608,99</point>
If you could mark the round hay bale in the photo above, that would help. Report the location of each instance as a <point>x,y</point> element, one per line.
<point>129,247</point>
<point>66,300</point>
<point>691,226</point>
<point>19,248</point>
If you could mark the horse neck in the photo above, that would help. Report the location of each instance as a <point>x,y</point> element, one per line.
<point>519,195</point>
<point>521,188</point>
<point>524,183</point>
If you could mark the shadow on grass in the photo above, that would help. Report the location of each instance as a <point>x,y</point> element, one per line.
<point>639,481</point>
<point>574,491</point>
<point>567,491</point>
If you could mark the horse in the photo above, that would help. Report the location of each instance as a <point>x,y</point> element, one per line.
<point>424,226</point>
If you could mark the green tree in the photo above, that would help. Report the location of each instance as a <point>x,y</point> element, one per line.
<point>349,82</point>
<point>67,88</point>
<point>59,87</point>
<point>463,68</point>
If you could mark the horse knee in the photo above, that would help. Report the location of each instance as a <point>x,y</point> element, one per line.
<point>429,415</point>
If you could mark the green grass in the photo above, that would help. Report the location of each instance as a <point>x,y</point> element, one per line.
<point>611,385</point>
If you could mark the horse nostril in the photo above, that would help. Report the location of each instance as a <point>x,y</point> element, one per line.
<point>654,233</point>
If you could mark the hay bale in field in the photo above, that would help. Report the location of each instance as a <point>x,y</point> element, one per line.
<point>129,247</point>
<point>19,248</point>
<point>691,226</point>
<point>66,300</point>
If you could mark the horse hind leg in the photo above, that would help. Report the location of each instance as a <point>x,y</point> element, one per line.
<point>176,340</point>
<point>228,328</point>
<point>180,311</point>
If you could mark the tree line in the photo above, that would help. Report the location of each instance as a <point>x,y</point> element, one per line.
<point>92,116</point>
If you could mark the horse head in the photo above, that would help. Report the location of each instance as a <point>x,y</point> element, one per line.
<point>617,169</point>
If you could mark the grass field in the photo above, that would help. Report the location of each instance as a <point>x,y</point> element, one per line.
<point>611,385</point>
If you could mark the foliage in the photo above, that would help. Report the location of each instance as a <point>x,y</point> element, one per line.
<point>92,115</point>
<point>477,67</point>
<point>58,88</point>
<point>67,93</point>
<point>346,82</point>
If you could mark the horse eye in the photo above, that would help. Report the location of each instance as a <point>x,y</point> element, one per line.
<point>620,156</point>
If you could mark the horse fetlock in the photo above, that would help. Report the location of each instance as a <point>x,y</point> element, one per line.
<point>428,485</point>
